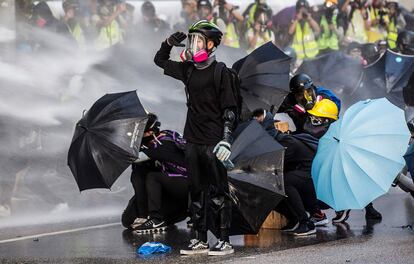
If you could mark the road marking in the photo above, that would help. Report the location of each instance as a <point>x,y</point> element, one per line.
<point>58,232</point>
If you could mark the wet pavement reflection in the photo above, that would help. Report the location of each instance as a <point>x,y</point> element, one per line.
<point>113,242</point>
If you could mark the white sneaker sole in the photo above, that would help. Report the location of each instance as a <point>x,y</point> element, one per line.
<point>194,252</point>
<point>311,232</point>
<point>322,223</point>
<point>221,253</point>
<point>343,218</point>
<point>153,230</point>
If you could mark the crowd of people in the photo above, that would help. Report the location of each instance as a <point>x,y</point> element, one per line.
<point>303,31</point>
<point>186,174</point>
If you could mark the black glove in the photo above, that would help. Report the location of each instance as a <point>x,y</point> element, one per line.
<point>176,39</point>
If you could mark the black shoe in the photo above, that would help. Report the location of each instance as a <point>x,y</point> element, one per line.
<point>319,219</point>
<point>221,248</point>
<point>371,213</point>
<point>341,216</point>
<point>190,224</point>
<point>305,228</point>
<point>292,225</point>
<point>150,226</point>
<point>196,247</point>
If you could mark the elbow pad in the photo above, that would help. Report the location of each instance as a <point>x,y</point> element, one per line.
<point>229,119</point>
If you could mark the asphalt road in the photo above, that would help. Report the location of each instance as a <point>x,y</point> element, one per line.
<point>105,241</point>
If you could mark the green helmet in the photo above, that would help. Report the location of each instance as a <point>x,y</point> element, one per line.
<point>208,29</point>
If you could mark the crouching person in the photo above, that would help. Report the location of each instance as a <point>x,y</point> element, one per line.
<point>160,183</point>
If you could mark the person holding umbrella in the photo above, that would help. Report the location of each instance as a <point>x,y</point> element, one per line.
<point>321,116</point>
<point>302,97</point>
<point>211,117</point>
<point>301,196</point>
<point>160,183</point>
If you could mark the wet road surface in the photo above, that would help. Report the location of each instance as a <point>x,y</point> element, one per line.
<point>108,242</point>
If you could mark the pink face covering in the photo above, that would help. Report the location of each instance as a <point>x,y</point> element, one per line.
<point>41,22</point>
<point>200,56</point>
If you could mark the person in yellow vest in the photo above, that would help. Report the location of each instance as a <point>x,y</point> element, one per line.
<point>109,26</point>
<point>396,23</point>
<point>359,23</point>
<point>262,32</point>
<point>233,19</point>
<point>378,14</point>
<point>330,32</point>
<point>227,21</point>
<point>70,24</point>
<point>305,31</point>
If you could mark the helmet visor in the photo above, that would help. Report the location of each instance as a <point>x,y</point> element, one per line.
<point>196,42</point>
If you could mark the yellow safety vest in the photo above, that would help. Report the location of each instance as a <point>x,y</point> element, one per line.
<point>392,35</point>
<point>231,39</point>
<point>376,32</point>
<point>356,29</point>
<point>328,39</point>
<point>109,36</point>
<point>304,42</point>
<point>78,35</point>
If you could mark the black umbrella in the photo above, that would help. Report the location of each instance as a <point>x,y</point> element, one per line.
<point>264,76</point>
<point>107,140</point>
<point>386,78</point>
<point>335,71</point>
<point>256,182</point>
<point>398,69</point>
<point>372,85</point>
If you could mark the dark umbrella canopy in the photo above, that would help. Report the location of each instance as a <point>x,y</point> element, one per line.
<point>107,140</point>
<point>256,182</point>
<point>386,78</point>
<point>335,71</point>
<point>398,69</point>
<point>264,76</point>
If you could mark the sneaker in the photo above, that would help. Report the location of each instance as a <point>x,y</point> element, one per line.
<point>372,214</point>
<point>341,216</point>
<point>304,229</point>
<point>292,225</point>
<point>221,248</point>
<point>151,225</point>
<point>138,221</point>
<point>319,219</point>
<point>196,247</point>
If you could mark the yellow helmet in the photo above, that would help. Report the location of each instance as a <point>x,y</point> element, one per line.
<point>325,108</point>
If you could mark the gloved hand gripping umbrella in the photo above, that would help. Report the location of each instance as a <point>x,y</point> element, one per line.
<point>256,182</point>
<point>360,155</point>
<point>264,77</point>
<point>107,140</point>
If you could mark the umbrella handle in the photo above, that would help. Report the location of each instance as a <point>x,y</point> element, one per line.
<point>228,164</point>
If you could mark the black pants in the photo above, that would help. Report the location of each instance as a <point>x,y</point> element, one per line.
<point>208,188</point>
<point>156,195</point>
<point>301,195</point>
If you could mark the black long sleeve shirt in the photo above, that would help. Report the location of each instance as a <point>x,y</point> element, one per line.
<point>204,124</point>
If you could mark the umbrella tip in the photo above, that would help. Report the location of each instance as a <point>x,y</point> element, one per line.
<point>336,139</point>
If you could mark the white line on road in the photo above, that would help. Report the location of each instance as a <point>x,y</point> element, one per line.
<point>58,233</point>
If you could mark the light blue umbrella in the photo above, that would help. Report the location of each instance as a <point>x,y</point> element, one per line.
<point>360,155</point>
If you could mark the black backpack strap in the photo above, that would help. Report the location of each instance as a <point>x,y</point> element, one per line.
<point>218,71</point>
<point>187,82</point>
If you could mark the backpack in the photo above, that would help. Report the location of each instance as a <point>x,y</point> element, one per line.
<point>235,85</point>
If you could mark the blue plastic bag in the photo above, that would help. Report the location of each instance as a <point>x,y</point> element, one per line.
<point>149,248</point>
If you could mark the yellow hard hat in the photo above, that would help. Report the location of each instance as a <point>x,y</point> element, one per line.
<point>325,108</point>
<point>335,2</point>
